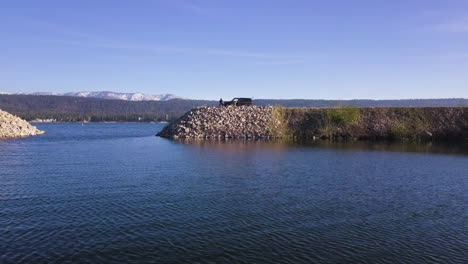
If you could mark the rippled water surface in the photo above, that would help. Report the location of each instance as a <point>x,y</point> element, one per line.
<point>103,193</point>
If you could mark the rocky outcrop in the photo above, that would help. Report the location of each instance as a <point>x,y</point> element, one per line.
<point>222,122</point>
<point>426,123</point>
<point>12,126</point>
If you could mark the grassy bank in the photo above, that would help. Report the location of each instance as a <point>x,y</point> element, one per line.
<point>348,122</point>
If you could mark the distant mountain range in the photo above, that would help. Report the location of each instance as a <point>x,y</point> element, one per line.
<point>112,95</point>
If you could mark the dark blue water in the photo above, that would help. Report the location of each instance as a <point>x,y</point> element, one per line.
<point>104,193</point>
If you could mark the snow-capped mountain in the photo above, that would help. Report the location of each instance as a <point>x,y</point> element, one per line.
<point>115,95</point>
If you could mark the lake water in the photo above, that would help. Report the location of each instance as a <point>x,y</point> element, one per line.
<point>104,193</point>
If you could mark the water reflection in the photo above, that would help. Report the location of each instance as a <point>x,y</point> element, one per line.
<point>278,145</point>
<point>114,193</point>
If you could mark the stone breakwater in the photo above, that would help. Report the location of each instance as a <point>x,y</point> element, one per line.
<point>222,122</point>
<point>12,126</point>
<point>406,123</point>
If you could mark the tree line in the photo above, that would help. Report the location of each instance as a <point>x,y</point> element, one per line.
<point>77,109</point>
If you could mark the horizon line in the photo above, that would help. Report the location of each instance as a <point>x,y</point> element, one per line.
<point>206,99</point>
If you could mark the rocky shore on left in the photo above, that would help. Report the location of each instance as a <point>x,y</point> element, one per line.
<point>12,126</point>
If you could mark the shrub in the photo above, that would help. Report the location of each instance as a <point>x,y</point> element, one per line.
<point>411,128</point>
<point>343,115</point>
<point>279,122</point>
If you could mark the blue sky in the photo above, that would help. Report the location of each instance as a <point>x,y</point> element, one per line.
<point>333,49</point>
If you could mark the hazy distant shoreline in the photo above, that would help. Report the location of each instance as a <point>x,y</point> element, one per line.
<point>78,109</point>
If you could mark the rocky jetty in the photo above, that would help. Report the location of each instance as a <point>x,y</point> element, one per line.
<point>222,122</point>
<point>12,126</point>
<point>402,123</point>
<point>405,123</point>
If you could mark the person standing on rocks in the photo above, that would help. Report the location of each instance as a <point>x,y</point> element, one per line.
<point>221,102</point>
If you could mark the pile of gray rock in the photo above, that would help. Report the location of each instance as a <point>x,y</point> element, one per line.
<point>222,122</point>
<point>12,126</point>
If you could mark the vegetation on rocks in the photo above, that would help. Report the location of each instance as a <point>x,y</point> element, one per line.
<point>279,123</point>
<point>337,119</point>
<point>13,126</point>
<point>343,115</point>
<point>414,125</point>
<point>346,122</point>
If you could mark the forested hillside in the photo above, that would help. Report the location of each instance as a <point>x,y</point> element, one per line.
<point>73,109</point>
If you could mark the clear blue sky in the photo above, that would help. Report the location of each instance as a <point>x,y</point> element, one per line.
<point>330,49</point>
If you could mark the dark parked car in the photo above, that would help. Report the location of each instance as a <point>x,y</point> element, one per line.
<point>238,102</point>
